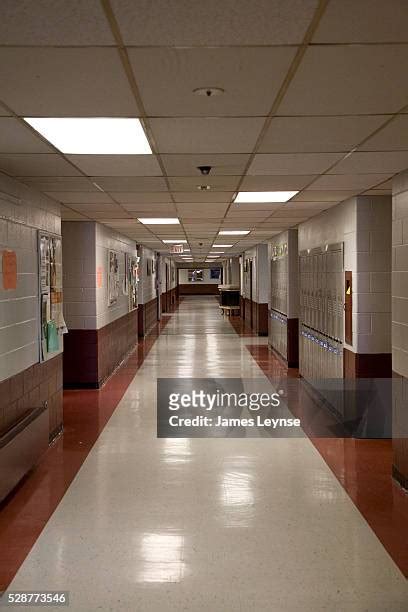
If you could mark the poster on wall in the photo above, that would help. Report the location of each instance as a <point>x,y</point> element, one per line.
<point>52,325</point>
<point>9,262</point>
<point>133,272</point>
<point>113,278</point>
<point>215,273</point>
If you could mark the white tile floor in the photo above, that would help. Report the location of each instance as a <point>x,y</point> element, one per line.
<point>214,525</point>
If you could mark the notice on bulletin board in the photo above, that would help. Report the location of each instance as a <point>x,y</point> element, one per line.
<point>9,264</point>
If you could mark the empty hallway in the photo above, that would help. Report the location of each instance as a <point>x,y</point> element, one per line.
<point>207,524</point>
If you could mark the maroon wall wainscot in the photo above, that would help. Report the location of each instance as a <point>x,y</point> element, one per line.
<point>26,391</point>
<point>147,317</point>
<point>90,356</point>
<point>256,316</point>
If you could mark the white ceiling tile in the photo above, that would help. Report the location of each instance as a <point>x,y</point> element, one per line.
<point>264,206</point>
<point>216,182</point>
<point>83,197</point>
<point>315,134</point>
<point>378,192</point>
<point>206,134</point>
<point>198,215</point>
<point>348,21</point>
<point>91,207</point>
<point>134,197</point>
<point>167,79</point>
<point>58,183</point>
<point>16,137</point>
<point>140,183</point>
<point>54,22</point>
<point>186,165</point>
<point>67,214</point>
<point>117,165</point>
<point>348,181</point>
<point>341,80</point>
<point>293,163</point>
<point>386,162</point>
<point>256,214</point>
<point>385,185</point>
<point>197,23</point>
<point>392,138</point>
<point>324,195</point>
<point>117,214</point>
<point>309,206</point>
<point>140,210</point>
<point>284,213</point>
<point>52,82</point>
<point>275,183</point>
<point>36,164</point>
<point>203,196</point>
<point>220,207</point>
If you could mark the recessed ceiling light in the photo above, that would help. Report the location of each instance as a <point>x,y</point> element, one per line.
<point>233,232</point>
<point>158,221</point>
<point>209,92</point>
<point>264,196</point>
<point>221,246</point>
<point>174,241</point>
<point>93,135</point>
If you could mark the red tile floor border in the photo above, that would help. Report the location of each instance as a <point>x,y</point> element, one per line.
<point>362,467</point>
<point>24,514</point>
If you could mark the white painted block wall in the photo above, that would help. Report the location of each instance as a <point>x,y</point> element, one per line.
<point>85,248</point>
<point>260,274</point>
<point>400,275</point>
<point>23,212</point>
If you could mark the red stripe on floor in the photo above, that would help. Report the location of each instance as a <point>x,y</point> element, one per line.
<point>363,468</point>
<point>24,514</point>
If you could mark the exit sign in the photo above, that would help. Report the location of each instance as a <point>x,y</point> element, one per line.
<point>176,249</point>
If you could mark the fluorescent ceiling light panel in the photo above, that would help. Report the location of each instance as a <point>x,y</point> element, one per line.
<point>216,253</point>
<point>93,135</point>
<point>174,241</point>
<point>221,246</point>
<point>167,221</point>
<point>233,232</point>
<point>264,196</point>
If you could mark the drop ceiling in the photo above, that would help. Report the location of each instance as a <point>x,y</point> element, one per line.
<point>315,99</point>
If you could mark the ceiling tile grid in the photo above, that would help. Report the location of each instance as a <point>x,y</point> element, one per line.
<point>328,119</point>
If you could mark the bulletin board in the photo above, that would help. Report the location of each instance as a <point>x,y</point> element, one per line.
<point>52,325</point>
<point>132,279</point>
<point>113,278</point>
